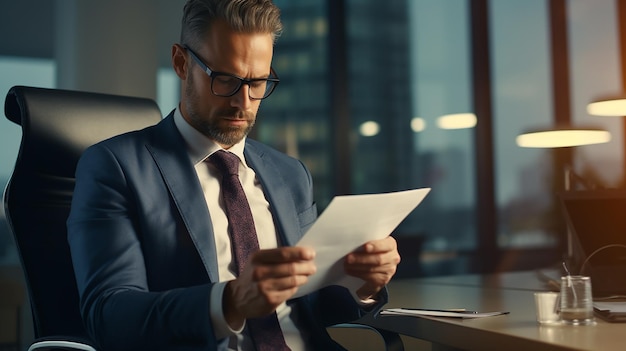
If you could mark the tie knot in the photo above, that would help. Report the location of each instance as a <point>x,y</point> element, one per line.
<point>226,162</point>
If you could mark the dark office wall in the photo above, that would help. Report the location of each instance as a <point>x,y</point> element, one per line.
<point>27,28</point>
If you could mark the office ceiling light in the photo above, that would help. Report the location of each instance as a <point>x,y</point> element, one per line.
<point>369,128</point>
<point>610,107</point>
<point>457,121</point>
<point>563,137</point>
<point>418,124</point>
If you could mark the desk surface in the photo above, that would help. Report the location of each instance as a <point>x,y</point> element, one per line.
<point>512,292</point>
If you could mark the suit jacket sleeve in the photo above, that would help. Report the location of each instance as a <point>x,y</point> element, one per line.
<point>138,290</point>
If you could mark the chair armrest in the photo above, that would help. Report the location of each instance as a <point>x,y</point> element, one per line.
<point>392,340</point>
<point>60,343</point>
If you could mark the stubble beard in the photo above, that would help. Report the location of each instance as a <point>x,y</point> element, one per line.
<point>210,127</point>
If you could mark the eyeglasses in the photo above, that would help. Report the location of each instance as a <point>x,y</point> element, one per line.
<point>226,84</point>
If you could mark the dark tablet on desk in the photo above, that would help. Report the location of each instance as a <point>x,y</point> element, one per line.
<point>597,220</point>
<point>611,311</point>
<point>611,316</point>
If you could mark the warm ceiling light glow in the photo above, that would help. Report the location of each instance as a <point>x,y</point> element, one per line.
<point>369,128</point>
<point>609,107</point>
<point>457,121</point>
<point>418,124</point>
<point>553,138</point>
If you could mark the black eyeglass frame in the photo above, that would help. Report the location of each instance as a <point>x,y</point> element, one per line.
<point>273,78</point>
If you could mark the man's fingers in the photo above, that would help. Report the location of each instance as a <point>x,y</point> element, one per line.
<point>281,270</point>
<point>284,283</point>
<point>373,259</point>
<point>283,254</point>
<point>377,246</point>
<point>370,269</point>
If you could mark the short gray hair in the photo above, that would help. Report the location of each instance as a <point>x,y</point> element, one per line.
<point>245,16</point>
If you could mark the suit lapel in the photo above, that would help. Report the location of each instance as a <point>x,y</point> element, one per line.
<point>168,150</point>
<point>277,194</point>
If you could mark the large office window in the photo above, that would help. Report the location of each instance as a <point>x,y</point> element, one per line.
<point>379,97</point>
<point>439,122</point>
<point>522,101</point>
<point>441,99</point>
<point>296,118</point>
<point>596,72</point>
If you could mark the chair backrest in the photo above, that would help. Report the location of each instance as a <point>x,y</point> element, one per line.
<point>57,126</point>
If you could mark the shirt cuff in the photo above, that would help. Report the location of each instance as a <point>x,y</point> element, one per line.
<point>221,329</point>
<point>363,303</point>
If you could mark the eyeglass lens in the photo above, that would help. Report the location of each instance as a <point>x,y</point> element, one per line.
<point>226,85</point>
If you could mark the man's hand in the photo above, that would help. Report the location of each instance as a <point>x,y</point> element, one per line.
<point>375,262</point>
<point>270,278</point>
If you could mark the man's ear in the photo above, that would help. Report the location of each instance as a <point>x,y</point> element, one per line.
<point>179,61</point>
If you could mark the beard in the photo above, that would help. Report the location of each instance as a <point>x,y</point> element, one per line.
<point>210,125</point>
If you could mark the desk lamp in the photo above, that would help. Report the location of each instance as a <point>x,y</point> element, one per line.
<point>614,106</point>
<point>564,136</point>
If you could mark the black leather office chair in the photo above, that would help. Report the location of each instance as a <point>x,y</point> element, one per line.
<point>57,125</point>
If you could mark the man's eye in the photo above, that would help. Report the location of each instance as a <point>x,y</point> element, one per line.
<point>226,80</point>
<point>258,83</point>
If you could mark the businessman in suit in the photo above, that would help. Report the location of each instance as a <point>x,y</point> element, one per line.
<point>152,242</point>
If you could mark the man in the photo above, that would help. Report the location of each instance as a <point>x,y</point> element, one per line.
<point>153,243</point>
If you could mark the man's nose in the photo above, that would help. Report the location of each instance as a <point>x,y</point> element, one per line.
<point>241,99</point>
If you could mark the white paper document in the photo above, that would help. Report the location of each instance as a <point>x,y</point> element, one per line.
<point>438,313</point>
<point>349,222</point>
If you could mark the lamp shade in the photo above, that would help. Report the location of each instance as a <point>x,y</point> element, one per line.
<point>457,121</point>
<point>611,107</point>
<point>563,136</point>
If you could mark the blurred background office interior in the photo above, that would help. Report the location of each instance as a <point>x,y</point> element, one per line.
<point>375,96</point>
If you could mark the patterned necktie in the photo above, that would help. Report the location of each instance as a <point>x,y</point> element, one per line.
<point>265,331</point>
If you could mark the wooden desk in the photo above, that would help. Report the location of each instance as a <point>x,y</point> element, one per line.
<point>518,330</point>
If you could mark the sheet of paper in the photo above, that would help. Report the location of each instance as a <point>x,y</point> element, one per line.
<point>349,222</point>
<point>438,313</point>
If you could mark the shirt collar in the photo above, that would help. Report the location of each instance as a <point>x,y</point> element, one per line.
<point>199,147</point>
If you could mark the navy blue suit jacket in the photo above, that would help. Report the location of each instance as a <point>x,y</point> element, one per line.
<point>142,244</point>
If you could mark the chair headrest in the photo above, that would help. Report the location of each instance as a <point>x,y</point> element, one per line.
<point>61,124</point>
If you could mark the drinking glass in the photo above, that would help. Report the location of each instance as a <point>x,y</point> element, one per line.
<point>576,306</point>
